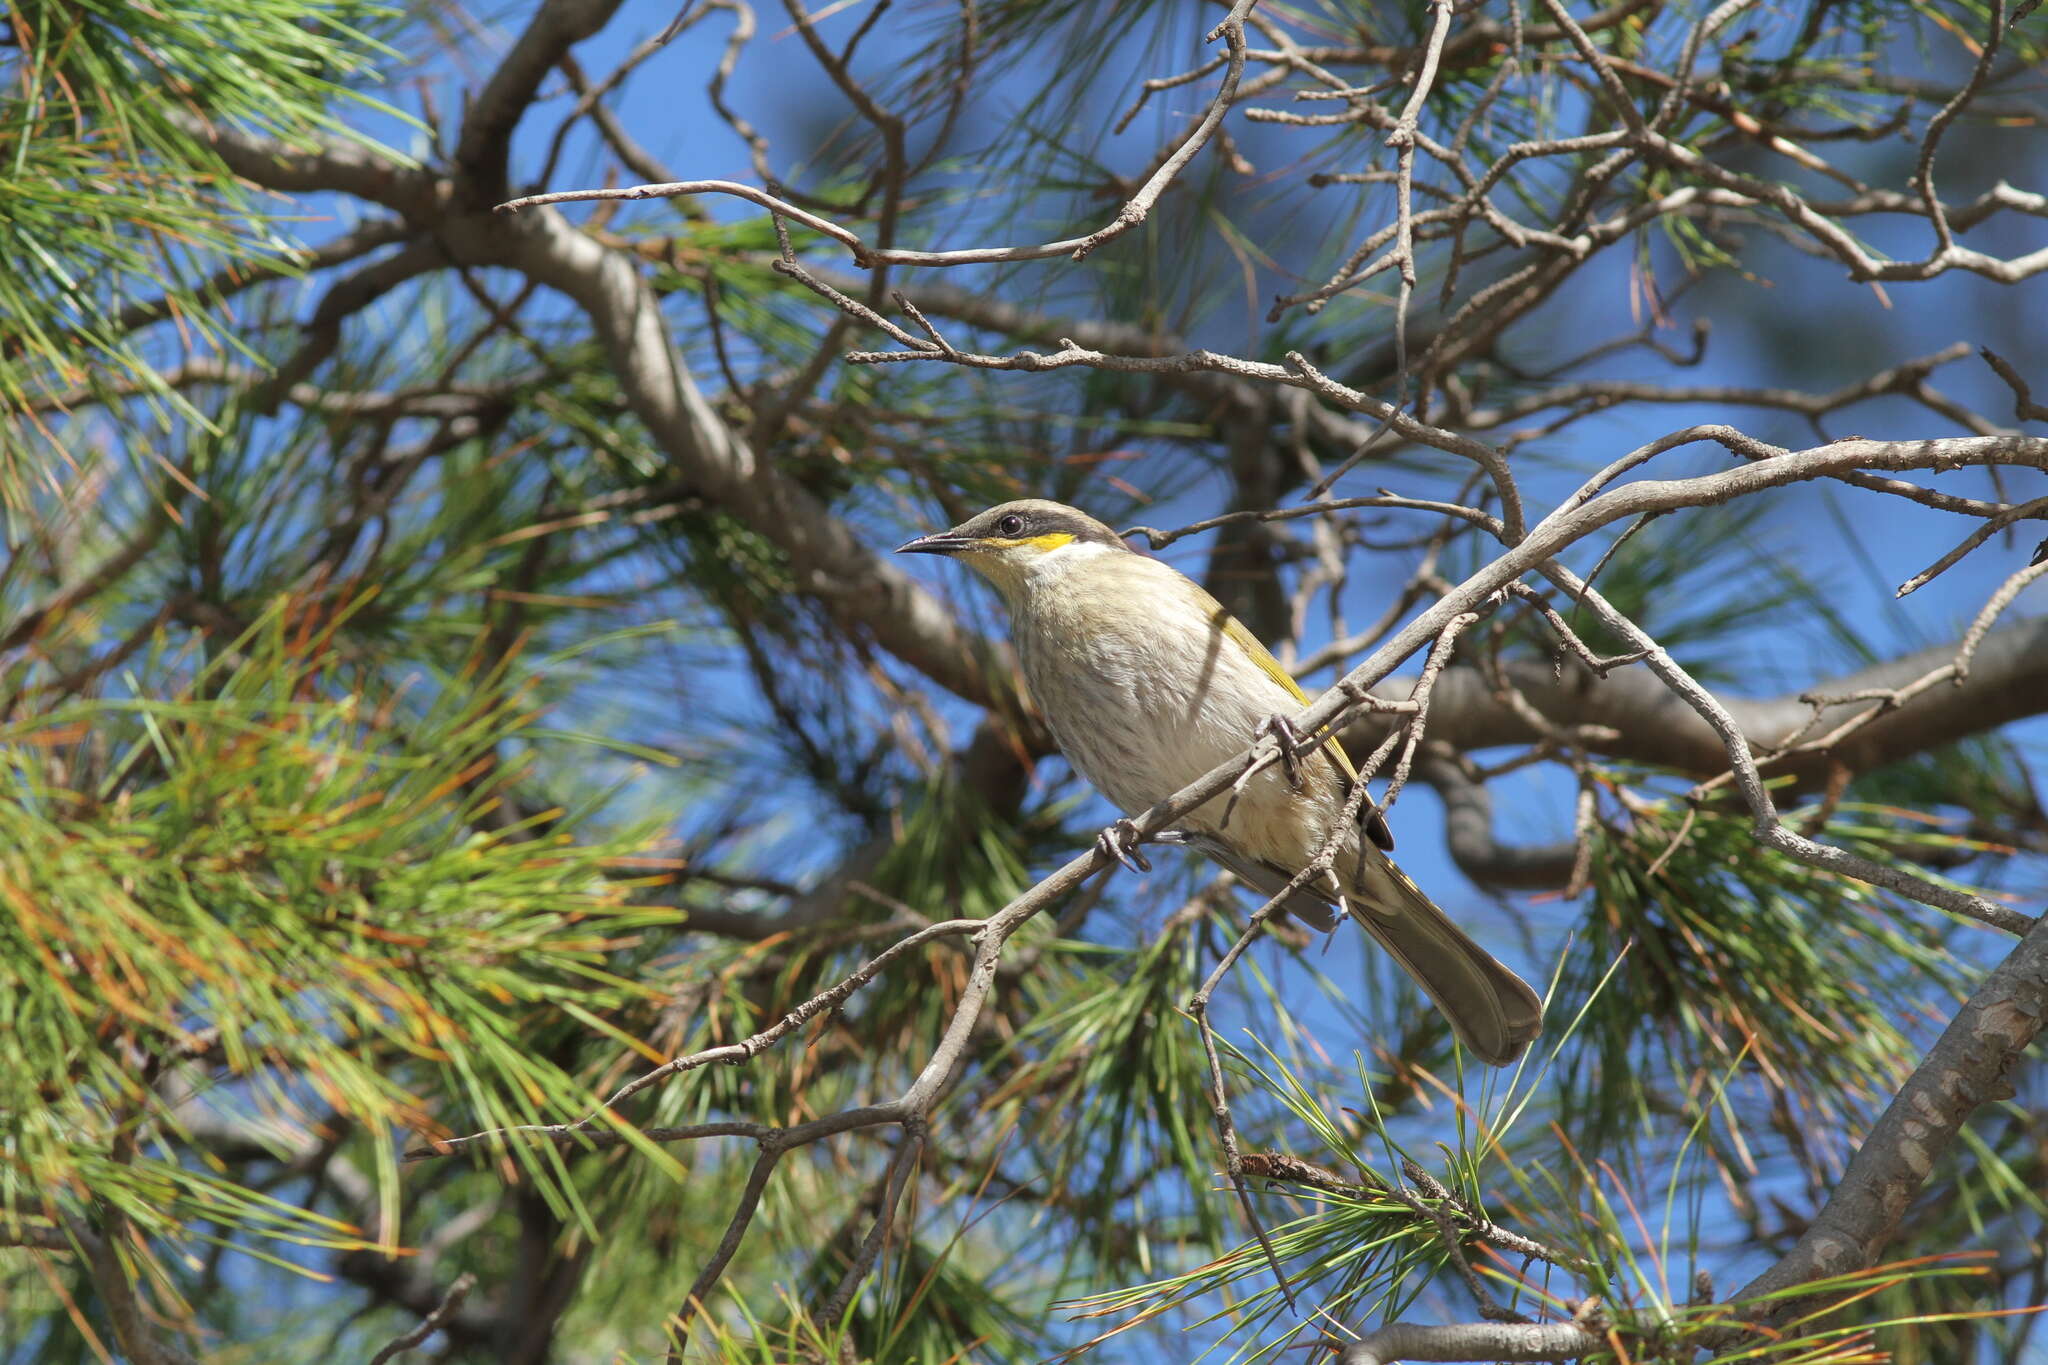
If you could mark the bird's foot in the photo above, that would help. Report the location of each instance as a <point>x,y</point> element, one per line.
<point>1287,745</point>
<point>1120,841</point>
<point>1288,740</point>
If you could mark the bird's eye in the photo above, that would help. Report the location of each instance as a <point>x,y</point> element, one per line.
<point>1012,525</point>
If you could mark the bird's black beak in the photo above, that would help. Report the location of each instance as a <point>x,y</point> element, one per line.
<point>940,543</point>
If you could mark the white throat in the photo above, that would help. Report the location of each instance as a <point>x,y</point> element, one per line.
<point>1018,577</point>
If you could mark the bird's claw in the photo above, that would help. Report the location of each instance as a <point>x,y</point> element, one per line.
<point>1120,841</point>
<point>1286,746</point>
<point>1288,740</point>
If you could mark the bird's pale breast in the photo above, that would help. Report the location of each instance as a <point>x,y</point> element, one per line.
<point>1130,667</point>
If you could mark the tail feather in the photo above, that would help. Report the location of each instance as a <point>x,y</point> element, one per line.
<point>1494,1012</point>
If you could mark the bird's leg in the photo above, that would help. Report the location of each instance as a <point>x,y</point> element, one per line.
<point>1288,739</point>
<point>1120,841</point>
<point>1287,743</point>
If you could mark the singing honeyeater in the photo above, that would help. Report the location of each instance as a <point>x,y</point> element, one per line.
<point>1147,684</point>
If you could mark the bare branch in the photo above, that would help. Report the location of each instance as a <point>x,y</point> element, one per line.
<point>1470,1341</point>
<point>313,165</point>
<point>2008,681</point>
<point>830,561</point>
<point>1923,172</point>
<point>450,1302</point>
<point>485,145</point>
<point>1769,828</point>
<point>2024,406</point>
<point>1134,211</point>
<point>728,1054</point>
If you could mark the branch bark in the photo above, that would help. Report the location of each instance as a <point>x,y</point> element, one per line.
<point>319,164</point>
<point>1969,1066</point>
<point>486,142</point>
<point>2008,681</point>
<point>1470,1341</point>
<point>830,560</point>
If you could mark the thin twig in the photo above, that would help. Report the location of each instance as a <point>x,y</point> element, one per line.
<point>431,1323</point>
<point>1134,211</point>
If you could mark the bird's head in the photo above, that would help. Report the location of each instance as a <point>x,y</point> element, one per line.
<point>1019,544</point>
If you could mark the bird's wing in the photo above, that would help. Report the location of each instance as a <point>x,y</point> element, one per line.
<point>1238,634</point>
<point>1312,904</point>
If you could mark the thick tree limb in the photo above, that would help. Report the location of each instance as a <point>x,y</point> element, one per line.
<point>316,164</point>
<point>1969,1066</point>
<point>2008,681</point>
<point>1468,832</point>
<point>831,561</point>
<point>487,130</point>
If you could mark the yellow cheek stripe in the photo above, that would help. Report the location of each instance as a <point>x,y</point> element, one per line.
<point>1052,540</point>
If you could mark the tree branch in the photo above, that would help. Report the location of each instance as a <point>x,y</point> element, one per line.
<point>1470,1341</point>
<point>485,146</point>
<point>1969,1066</point>
<point>1468,833</point>
<point>830,561</point>
<point>317,164</point>
<point>430,1324</point>
<point>1134,211</point>
<point>2008,681</point>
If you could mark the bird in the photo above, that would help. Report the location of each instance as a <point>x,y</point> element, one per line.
<point>1148,683</point>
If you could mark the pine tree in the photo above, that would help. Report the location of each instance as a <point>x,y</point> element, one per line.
<point>499,858</point>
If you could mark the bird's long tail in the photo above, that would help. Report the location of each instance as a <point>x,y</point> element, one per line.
<point>1493,1011</point>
